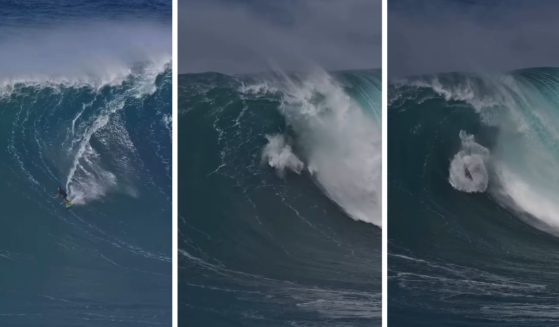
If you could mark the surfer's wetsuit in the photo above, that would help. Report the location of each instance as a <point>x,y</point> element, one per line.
<point>62,193</point>
<point>468,174</point>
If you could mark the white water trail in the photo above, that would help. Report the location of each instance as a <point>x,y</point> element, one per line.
<point>88,179</point>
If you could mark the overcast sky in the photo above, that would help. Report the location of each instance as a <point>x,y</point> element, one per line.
<point>428,36</point>
<point>236,36</point>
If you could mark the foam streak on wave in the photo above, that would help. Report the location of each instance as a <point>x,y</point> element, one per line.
<point>87,178</point>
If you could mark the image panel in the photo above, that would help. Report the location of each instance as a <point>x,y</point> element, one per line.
<point>473,164</point>
<point>85,155</point>
<point>279,163</point>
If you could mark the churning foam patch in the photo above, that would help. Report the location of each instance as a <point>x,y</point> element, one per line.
<point>468,171</point>
<point>279,155</point>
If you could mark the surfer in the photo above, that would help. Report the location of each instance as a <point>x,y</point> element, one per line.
<point>468,174</point>
<point>62,193</point>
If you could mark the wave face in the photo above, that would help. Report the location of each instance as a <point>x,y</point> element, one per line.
<point>280,199</point>
<point>472,199</point>
<point>107,141</point>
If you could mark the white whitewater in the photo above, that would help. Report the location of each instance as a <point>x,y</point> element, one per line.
<point>338,140</point>
<point>278,154</point>
<point>468,171</point>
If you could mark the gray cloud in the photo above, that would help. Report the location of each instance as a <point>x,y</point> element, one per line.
<point>234,36</point>
<point>437,36</point>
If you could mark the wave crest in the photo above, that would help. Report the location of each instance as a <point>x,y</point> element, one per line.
<point>98,53</point>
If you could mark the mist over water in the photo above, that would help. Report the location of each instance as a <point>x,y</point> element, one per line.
<point>294,35</point>
<point>99,52</point>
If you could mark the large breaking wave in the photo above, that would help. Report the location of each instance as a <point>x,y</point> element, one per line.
<point>284,170</point>
<point>475,157</point>
<point>89,110</point>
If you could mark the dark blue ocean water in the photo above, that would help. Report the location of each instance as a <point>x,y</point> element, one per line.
<point>82,107</point>
<point>20,14</point>
<point>283,246</point>
<point>472,193</point>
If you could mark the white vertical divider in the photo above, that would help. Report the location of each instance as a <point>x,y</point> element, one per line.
<point>175,205</point>
<point>384,110</point>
